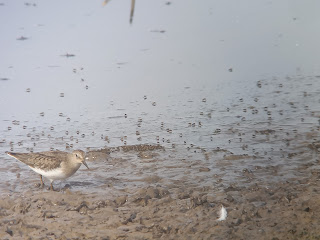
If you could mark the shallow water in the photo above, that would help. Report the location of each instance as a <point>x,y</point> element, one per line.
<point>221,119</point>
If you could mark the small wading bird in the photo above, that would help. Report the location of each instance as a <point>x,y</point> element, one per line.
<point>53,165</point>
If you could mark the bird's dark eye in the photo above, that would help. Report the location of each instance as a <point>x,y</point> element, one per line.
<point>76,155</point>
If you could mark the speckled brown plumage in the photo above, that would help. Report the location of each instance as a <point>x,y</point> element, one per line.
<point>53,164</point>
<point>37,160</point>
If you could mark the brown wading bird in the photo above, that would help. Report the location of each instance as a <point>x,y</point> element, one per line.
<point>53,165</point>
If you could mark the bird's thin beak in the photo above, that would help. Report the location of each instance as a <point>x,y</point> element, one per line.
<point>84,163</point>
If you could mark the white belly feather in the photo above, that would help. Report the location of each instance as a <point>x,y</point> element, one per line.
<point>54,174</point>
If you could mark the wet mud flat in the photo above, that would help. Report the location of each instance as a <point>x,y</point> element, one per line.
<point>156,207</point>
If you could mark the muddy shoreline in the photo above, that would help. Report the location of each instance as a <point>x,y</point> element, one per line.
<point>159,209</point>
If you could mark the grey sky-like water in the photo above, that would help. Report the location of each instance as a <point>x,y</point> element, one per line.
<point>202,40</point>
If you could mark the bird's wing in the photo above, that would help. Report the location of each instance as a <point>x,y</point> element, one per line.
<point>38,160</point>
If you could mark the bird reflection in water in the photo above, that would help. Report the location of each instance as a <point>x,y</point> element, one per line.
<point>131,10</point>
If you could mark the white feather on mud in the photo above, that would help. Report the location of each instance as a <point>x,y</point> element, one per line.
<point>222,214</point>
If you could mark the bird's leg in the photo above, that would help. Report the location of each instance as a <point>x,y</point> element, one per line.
<point>51,187</point>
<point>42,184</point>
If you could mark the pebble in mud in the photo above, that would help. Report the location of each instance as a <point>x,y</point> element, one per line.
<point>198,199</point>
<point>144,195</point>
<point>204,169</point>
<point>121,200</point>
